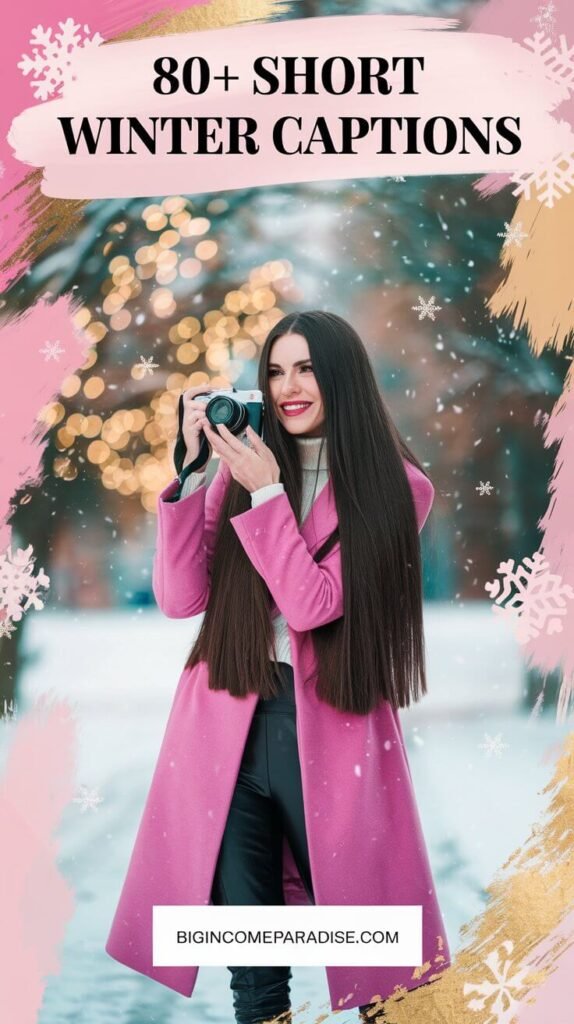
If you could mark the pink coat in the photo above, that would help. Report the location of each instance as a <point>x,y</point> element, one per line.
<point>364,835</point>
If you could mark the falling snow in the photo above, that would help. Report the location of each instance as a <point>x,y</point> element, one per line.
<point>493,745</point>
<point>88,799</point>
<point>147,365</point>
<point>52,350</point>
<point>513,235</point>
<point>484,488</point>
<point>426,308</point>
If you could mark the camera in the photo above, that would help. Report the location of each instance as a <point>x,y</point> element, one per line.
<point>235,409</point>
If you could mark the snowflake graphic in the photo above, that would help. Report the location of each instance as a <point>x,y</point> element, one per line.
<point>530,596</point>
<point>513,235</point>
<point>52,350</point>
<point>18,583</point>
<point>493,745</point>
<point>6,628</point>
<point>53,56</point>
<point>500,992</point>
<point>10,711</point>
<point>147,365</point>
<point>545,17</point>
<point>426,308</point>
<point>557,61</point>
<point>484,488</point>
<point>551,180</point>
<point>88,799</point>
<point>553,177</point>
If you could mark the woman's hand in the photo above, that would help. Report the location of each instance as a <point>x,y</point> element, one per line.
<point>252,467</point>
<point>194,420</point>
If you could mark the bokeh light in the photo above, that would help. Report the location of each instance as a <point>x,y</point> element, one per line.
<point>146,296</point>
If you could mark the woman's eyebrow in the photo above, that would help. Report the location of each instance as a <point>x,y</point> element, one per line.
<point>299,362</point>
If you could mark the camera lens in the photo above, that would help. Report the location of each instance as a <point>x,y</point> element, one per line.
<point>225,410</point>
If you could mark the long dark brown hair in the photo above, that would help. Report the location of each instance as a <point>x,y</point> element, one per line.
<point>375,651</point>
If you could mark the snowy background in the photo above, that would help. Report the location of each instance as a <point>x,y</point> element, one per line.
<point>479,760</point>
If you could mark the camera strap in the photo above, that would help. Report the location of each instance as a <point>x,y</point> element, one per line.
<point>180,451</point>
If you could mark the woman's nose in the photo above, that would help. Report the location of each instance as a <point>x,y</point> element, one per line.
<point>289,389</point>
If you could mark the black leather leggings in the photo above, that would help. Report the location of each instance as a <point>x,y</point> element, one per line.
<point>267,803</point>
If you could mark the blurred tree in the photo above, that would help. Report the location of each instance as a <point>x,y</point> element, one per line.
<point>179,290</point>
<point>161,283</point>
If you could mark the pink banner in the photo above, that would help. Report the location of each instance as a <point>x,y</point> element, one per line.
<point>235,108</point>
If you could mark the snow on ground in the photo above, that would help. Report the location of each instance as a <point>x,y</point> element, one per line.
<point>120,669</point>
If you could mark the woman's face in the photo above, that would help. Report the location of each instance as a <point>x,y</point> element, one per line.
<point>292,383</point>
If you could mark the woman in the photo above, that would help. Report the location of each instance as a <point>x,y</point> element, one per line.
<point>283,765</point>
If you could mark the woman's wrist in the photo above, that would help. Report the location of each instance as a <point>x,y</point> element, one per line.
<point>265,493</point>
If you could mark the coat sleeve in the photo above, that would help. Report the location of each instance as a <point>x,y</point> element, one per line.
<point>191,484</point>
<point>184,546</point>
<point>306,593</point>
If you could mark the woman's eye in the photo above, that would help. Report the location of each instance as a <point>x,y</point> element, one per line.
<point>273,373</point>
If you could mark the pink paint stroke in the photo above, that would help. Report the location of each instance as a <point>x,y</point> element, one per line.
<point>36,901</point>
<point>110,18</point>
<point>516,20</point>
<point>490,184</point>
<point>30,382</point>
<point>551,651</point>
<point>511,85</point>
<point>552,999</point>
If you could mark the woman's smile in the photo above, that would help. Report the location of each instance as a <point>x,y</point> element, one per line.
<point>295,408</point>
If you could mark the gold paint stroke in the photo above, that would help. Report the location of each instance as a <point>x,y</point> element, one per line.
<point>537,291</point>
<point>50,220</point>
<point>529,898</point>
<point>201,17</point>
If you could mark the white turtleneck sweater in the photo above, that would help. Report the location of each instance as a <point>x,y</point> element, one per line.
<point>309,451</point>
